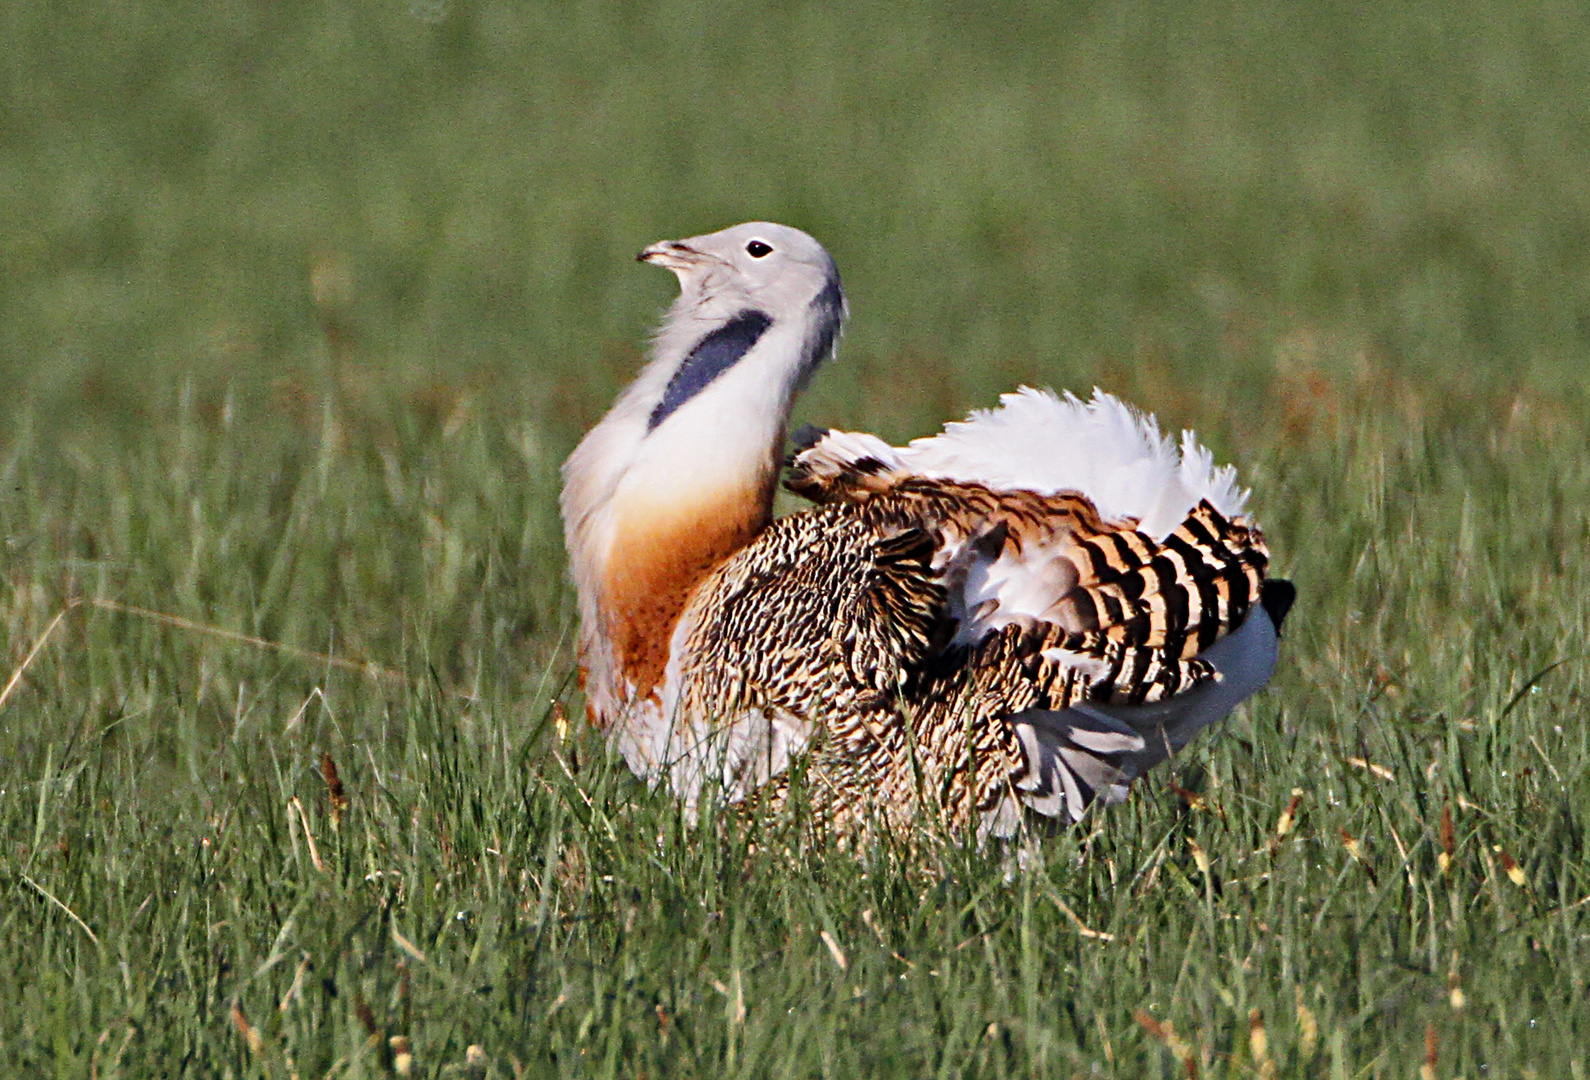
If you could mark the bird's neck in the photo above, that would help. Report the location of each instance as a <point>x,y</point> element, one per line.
<point>648,516</point>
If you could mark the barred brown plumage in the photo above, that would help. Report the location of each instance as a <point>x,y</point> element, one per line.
<point>1024,612</point>
<point>860,614</point>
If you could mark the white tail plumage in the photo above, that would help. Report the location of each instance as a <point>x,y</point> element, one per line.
<point>1104,449</point>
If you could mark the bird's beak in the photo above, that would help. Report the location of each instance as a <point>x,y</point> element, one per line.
<point>670,254</point>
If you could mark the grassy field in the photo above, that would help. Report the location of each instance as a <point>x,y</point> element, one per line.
<point>301,305</point>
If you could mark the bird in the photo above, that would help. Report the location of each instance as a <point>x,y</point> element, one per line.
<point>1004,622</point>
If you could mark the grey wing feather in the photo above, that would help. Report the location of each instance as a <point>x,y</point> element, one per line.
<point>1091,751</point>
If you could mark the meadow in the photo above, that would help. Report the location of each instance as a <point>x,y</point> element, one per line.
<point>302,304</point>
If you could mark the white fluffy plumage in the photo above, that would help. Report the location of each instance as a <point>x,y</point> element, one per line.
<point>1038,441</point>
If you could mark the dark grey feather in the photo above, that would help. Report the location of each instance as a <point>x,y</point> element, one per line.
<point>829,313</point>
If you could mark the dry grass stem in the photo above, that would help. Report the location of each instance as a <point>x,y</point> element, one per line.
<point>52,898</point>
<point>840,960</point>
<point>309,836</point>
<point>33,652</point>
<point>366,668</point>
<point>1076,920</point>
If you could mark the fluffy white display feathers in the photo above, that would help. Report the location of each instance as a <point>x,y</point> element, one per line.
<point>1038,441</point>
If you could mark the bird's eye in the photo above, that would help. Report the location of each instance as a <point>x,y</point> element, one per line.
<point>757,249</point>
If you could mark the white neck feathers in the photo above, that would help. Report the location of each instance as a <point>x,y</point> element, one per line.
<point>651,507</point>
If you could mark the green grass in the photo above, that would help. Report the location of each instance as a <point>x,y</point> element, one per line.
<point>302,304</point>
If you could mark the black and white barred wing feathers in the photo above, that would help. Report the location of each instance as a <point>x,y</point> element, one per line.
<point>1089,571</point>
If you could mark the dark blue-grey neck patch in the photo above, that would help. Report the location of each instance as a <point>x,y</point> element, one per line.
<point>713,355</point>
<point>828,311</point>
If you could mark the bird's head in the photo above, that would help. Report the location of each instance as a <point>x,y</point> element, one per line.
<point>759,300</point>
<point>773,268</point>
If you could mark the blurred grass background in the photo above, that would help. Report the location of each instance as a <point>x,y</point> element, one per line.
<point>1042,189</point>
<point>301,305</point>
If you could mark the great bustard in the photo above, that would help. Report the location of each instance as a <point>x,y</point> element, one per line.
<point>1029,609</point>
